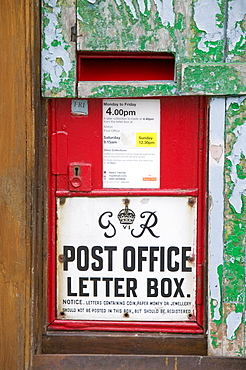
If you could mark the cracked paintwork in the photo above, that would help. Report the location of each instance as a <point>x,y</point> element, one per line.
<point>58,75</point>
<point>196,31</point>
<point>236,31</point>
<point>228,246</point>
<point>174,26</point>
<point>213,79</point>
<point>124,89</point>
<point>209,29</point>
<point>125,25</point>
<point>235,223</point>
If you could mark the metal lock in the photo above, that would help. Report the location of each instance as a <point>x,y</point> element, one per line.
<point>80,177</point>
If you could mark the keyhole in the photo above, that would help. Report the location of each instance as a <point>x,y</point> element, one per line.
<point>76,171</point>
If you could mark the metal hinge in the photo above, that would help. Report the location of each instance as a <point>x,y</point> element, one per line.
<point>74,33</point>
<point>59,142</point>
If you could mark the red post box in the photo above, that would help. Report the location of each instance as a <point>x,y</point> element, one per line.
<point>127,195</point>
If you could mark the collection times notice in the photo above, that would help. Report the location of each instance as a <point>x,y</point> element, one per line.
<point>126,258</point>
<point>131,143</point>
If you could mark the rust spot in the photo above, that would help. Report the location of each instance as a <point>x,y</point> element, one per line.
<point>126,201</point>
<point>61,258</point>
<point>126,315</point>
<point>62,313</point>
<point>191,258</point>
<point>191,317</point>
<point>79,114</point>
<point>62,201</point>
<point>191,201</point>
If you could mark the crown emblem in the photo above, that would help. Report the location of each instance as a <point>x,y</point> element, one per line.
<point>126,215</point>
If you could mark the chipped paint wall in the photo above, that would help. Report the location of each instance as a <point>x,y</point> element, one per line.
<point>227,226</point>
<point>207,38</point>
<point>175,26</point>
<point>58,77</point>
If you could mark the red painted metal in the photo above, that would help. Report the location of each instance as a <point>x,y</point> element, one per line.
<point>183,172</point>
<point>179,133</point>
<point>120,192</point>
<point>51,281</point>
<point>125,67</point>
<point>202,205</point>
<point>168,327</point>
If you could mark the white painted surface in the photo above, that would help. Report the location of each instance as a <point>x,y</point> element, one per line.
<point>171,223</point>
<point>216,200</point>
<point>236,13</point>
<point>205,16</point>
<point>233,321</point>
<point>239,150</point>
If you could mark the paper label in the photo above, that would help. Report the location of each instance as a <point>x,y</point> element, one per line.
<point>131,143</point>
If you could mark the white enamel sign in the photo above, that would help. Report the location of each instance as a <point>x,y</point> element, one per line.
<point>131,143</point>
<point>122,259</point>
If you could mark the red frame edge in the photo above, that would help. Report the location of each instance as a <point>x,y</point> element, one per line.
<point>190,327</point>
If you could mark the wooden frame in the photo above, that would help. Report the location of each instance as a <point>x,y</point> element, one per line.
<point>23,194</point>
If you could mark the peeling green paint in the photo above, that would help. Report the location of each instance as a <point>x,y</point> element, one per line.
<point>213,79</point>
<point>55,43</point>
<point>235,222</point>
<point>111,90</point>
<point>58,52</point>
<point>122,25</point>
<point>228,250</point>
<point>214,302</point>
<point>119,25</point>
<point>214,339</point>
<point>129,91</point>
<point>180,28</point>
<point>240,351</point>
<point>241,167</point>
<point>180,22</point>
<point>175,26</point>
<point>236,50</point>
